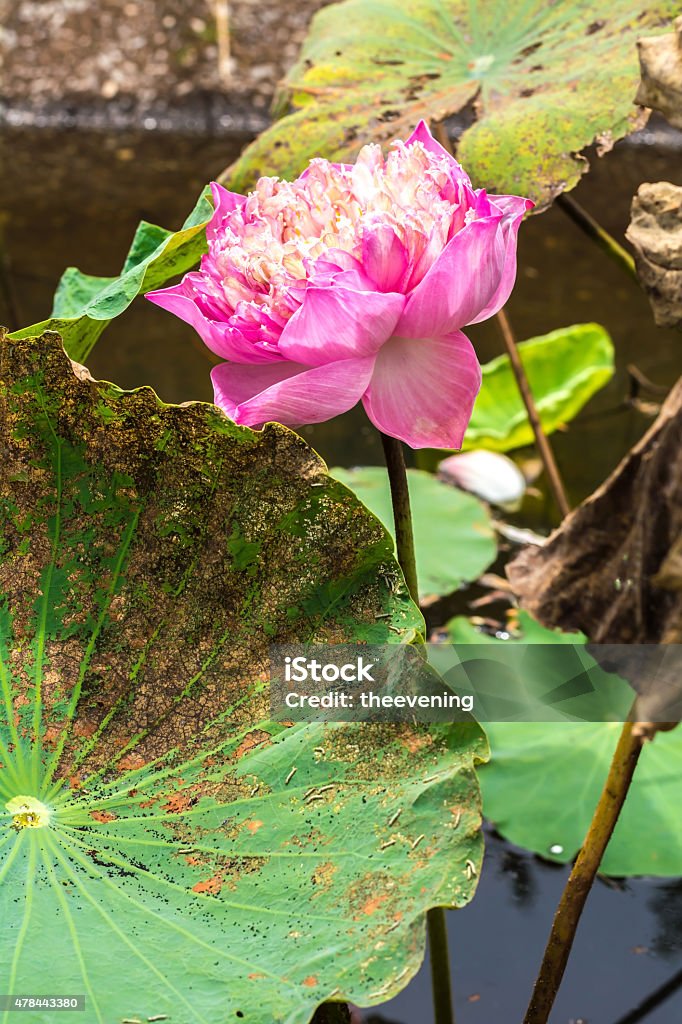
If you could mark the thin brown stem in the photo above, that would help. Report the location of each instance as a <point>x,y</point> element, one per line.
<point>543,445</point>
<point>597,233</point>
<point>402,514</point>
<point>439,958</point>
<point>583,875</point>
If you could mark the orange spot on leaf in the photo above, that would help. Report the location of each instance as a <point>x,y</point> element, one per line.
<point>178,802</point>
<point>373,904</point>
<point>212,886</point>
<point>130,762</point>
<point>252,739</point>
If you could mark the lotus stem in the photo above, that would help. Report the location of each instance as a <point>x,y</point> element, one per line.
<point>404,537</point>
<point>440,966</point>
<point>597,233</point>
<point>402,514</point>
<point>541,440</point>
<point>582,876</point>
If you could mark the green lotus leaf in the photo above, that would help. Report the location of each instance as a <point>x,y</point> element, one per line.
<point>84,305</point>
<point>454,539</point>
<point>544,778</point>
<point>565,369</point>
<point>535,83</point>
<point>166,850</point>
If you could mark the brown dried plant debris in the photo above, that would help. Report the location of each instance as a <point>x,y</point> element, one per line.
<point>655,231</point>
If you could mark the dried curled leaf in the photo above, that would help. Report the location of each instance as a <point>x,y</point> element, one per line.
<point>599,572</point>
<point>611,570</point>
<point>660,60</point>
<point>655,231</point>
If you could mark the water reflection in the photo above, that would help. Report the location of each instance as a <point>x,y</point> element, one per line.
<point>666,904</point>
<point>627,955</point>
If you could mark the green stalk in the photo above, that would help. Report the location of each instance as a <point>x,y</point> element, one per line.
<point>606,242</point>
<point>404,537</point>
<point>402,514</point>
<point>582,876</point>
<point>440,966</point>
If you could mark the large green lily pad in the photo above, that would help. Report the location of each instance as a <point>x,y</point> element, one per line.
<point>541,81</point>
<point>166,850</point>
<point>565,368</point>
<point>84,305</point>
<point>544,779</point>
<point>454,539</point>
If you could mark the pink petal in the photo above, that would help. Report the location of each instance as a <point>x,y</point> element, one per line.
<point>512,206</point>
<point>462,281</point>
<point>183,300</point>
<point>423,390</point>
<point>339,323</point>
<point>289,393</point>
<point>224,202</point>
<point>514,209</point>
<point>384,257</point>
<point>423,134</point>
<point>325,268</point>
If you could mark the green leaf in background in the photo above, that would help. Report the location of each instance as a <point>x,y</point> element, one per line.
<point>165,849</point>
<point>546,80</point>
<point>454,540</point>
<point>545,778</point>
<point>85,305</point>
<point>565,368</point>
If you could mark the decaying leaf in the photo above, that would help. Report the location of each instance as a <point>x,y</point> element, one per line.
<point>669,575</point>
<point>165,849</point>
<point>599,572</point>
<point>660,59</point>
<point>534,84</point>
<point>655,231</point>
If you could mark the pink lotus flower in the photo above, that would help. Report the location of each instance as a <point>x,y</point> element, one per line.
<point>351,284</point>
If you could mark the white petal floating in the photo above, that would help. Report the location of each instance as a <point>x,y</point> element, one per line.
<point>491,476</point>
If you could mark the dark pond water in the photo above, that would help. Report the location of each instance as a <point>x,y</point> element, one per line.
<point>628,950</point>
<point>75,198</point>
